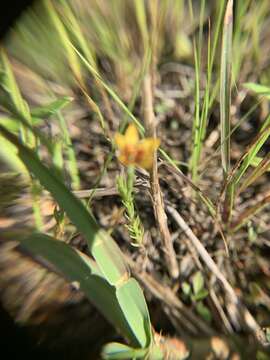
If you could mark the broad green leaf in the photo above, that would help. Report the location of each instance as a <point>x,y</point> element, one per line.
<point>105,251</point>
<point>119,351</point>
<point>77,267</point>
<point>50,109</point>
<point>197,282</point>
<point>133,305</point>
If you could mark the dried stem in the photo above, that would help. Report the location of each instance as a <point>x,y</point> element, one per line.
<point>157,199</point>
<point>248,319</point>
<point>185,317</point>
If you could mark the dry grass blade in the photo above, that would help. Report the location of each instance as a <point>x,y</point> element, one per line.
<point>158,205</point>
<point>248,213</point>
<point>251,152</point>
<point>263,166</point>
<point>240,168</point>
<point>202,252</point>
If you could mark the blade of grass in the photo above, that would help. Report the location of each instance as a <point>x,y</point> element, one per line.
<point>9,83</point>
<point>225,87</point>
<point>248,213</point>
<point>72,162</point>
<point>196,146</point>
<point>64,39</point>
<point>259,170</point>
<point>201,115</point>
<point>225,106</point>
<point>252,151</point>
<point>140,12</point>
<point>233,179</point>
<point>50,109</point>
<point>111,92</point>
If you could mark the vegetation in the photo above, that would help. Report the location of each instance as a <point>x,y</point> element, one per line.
<point>141,129</point>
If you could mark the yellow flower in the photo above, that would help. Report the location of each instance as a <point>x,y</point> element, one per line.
<point>133,151</point>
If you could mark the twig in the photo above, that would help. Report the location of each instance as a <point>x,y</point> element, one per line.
<point>248,319</point>
<point>158,205</point>
<point>186,318</point>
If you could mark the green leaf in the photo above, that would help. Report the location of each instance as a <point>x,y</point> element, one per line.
<point>197,282</point>
<point>77,267</point>
<point>203,311</point>
<point>133,305</point>
<point>256,161</point>
<point>258,89</point>
<point>50,109</point>
<point>186,288</point>
<point>11,124</point>
<point>8,154</point>
<point>119,351</point>
<point>260,355</point>
<point>103,248</point>
<point>252,151</point>
<point>267,333</point>
<point>200,295</point>
<point>8,83</point>
<point>105,251</point>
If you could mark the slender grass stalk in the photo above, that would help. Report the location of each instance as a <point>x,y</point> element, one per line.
<point>202,114</point>
<point>225,106</point>
<point>259,170</point>
<point>196,123</point>
<point>19,106</point>
<point>245,216</point>
<point>63,37</point>
<point>225,87</point>
<point>72,162</point>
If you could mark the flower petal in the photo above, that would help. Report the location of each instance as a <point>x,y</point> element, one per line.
<point>124,160</point>
<point>145,153</point>
<point>120,141</point>
<point>131,134</point>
